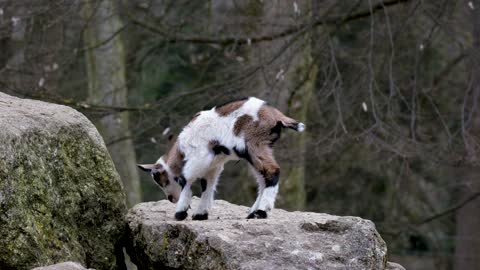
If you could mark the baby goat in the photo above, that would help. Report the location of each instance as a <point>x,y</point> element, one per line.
<point>243,129</point>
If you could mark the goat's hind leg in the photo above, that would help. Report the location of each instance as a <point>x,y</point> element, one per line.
<point>268,169</point>
<point>260,188</point>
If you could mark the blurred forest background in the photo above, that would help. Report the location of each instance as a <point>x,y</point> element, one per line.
<point>389,90</point>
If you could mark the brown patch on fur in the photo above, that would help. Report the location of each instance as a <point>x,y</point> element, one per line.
<point>228,108</point>
<point>241,124</point>
<point>259,137</point>
<point>263,132</point>
<point>175,159</point>
<point>286,121</point>
<point>258,133</point>
<point>264,162</point>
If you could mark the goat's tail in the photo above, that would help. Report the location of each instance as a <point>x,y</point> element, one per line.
<point>289,122</point>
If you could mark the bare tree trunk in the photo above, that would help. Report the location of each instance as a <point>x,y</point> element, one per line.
<point>287,81</point>
<point>107,86</point>
<point>285,78</point>
<point>467,241</point>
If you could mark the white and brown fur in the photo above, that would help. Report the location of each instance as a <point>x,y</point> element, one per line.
<point>243,129</point>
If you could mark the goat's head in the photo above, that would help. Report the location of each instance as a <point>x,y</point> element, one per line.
<point>164,179</point>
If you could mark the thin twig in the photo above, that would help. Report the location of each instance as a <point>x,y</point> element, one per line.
<point>450,210</point>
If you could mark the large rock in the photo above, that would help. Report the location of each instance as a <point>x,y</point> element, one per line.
<point>60,196</point>
<point>63,266</point>
<point>286,240</point>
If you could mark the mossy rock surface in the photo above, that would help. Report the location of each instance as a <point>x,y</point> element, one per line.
<point>60,195</point>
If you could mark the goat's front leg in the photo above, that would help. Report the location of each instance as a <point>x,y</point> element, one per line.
<point>193,168</point>
<point>208,190</point>
<point>184,202</point>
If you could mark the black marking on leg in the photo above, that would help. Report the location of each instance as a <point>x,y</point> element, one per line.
<point>180,180</point>
<point>271,180</point>
<point>257,214</point>
<point>219,149</point>
<point>200,216</point>
<point>243,154</point>
<point>181,215</point>
<point>203,183</point>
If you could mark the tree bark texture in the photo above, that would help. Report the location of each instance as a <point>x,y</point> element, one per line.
<point>285,77</point>
<point>31,46</point>
<point>107,86</point>
<point>467,241</point>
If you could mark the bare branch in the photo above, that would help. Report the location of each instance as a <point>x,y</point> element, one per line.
<point>450,210</point>
<point>245,40</point>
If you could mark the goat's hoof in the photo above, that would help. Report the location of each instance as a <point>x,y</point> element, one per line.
<point>181,215</point>
<point>200,216</point>
<point>257,214</point>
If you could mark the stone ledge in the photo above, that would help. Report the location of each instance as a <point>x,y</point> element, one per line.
<point>286,240</point>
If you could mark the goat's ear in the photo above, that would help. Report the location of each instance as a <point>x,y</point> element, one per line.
<point>146,167</point>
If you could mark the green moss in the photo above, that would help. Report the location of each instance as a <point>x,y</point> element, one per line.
<point>165,244</point>
<point>62,201</point>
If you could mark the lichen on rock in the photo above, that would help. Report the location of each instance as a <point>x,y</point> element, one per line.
<point>286,240</point>
<point>60,195</point>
